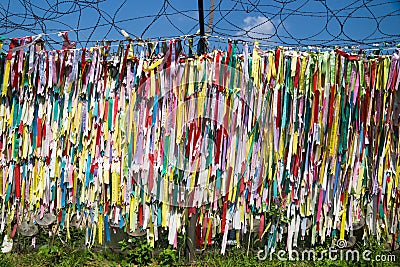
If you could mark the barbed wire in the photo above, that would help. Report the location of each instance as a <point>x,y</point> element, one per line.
<point>279,22</point>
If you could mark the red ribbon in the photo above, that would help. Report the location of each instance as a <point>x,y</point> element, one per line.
<point>17,176</point>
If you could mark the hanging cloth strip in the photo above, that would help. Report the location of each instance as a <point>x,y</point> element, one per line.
<point>141,142</point>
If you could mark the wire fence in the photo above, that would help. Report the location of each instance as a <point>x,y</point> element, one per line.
<point>279,22</point>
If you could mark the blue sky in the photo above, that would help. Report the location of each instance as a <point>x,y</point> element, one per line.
<point>302,22</point>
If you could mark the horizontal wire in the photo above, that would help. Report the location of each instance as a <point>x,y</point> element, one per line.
<point>37,19</point>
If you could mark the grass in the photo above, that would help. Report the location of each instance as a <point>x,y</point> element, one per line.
<point>83,257</point>
<point>56,251</point>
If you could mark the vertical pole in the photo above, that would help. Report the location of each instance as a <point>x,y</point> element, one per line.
<point>191,238</point>
<point>191,227</point>
<point>202,42</point>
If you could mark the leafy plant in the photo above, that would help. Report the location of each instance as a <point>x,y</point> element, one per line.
<point>48,250</point>
<point>168,257</point>
<point>137,251</point>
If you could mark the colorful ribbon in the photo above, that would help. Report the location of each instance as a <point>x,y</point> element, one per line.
<point>133,142</point>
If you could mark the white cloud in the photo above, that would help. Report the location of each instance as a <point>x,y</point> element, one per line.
<point>257,27</point>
